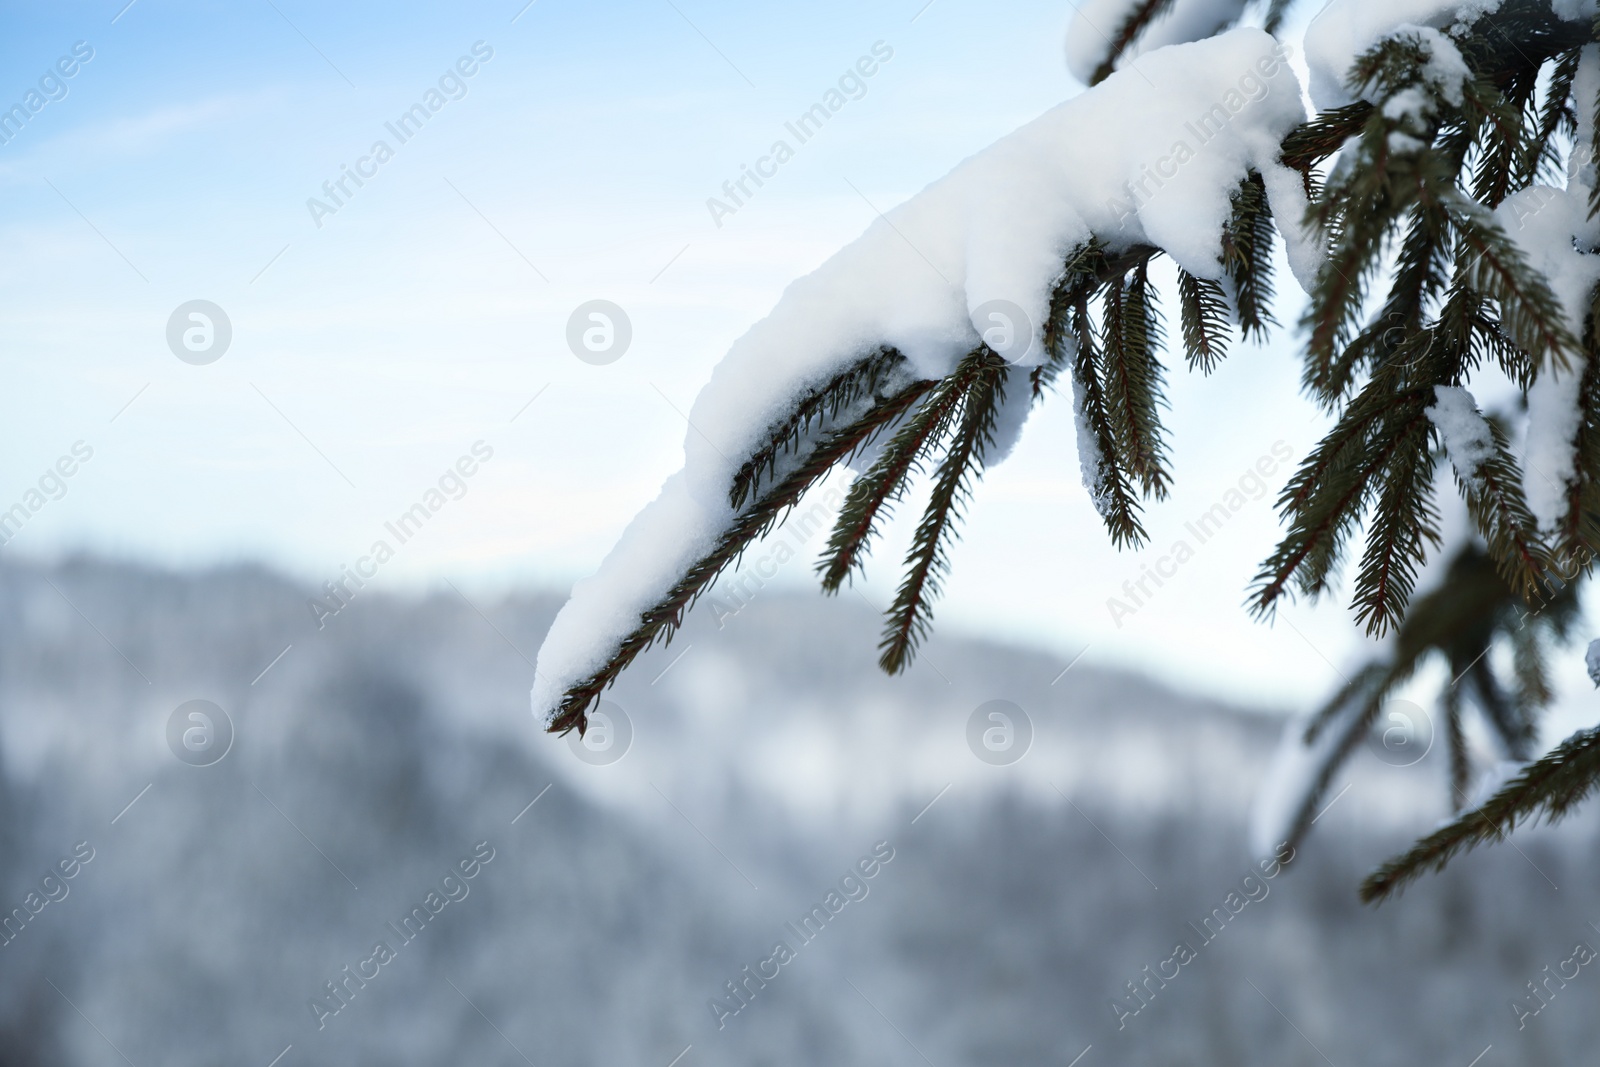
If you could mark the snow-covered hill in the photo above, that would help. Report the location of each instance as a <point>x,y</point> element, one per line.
<point>770,765</point>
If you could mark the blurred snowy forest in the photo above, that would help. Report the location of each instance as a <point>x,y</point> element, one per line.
<point>768,757</point>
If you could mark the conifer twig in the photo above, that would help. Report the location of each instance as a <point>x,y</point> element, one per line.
<point>927,561</point>
<point>1546,790</point>
<point>661,620</point>
<point>873,493</point>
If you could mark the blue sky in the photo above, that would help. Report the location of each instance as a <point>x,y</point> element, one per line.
<point>369,353</point>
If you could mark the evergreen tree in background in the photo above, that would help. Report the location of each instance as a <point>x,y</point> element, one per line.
<point>1451,201</point>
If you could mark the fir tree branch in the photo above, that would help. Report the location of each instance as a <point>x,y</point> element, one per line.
<point>1516,734</point>
<point>822,405</point>
<point>1489,338</point>
<point>1325,497</point>
<point>1314,140</point>
<point>1205,321</point>
<point>1476,337</point>
<point>1548,790</point>
<point>1340,290</point>
<point>1577,537</point>
<point>1590,138</point>
<point>1403,527</point>
<point>927,561</point>
<point>1370,679</point>
<point>873,493</point>
<point>1420,270</point>
<point>1130,331</point>
<point>1359,208</point>
<point>1529,311</point>
<point>1533,689</point>
<point>664,618</point>
<point>1351,713</point>
<point>1273,20</point>
<point>1456,745</point>
<point>1496,113</point>
<point>1085,270</point>
<point>1457,620</point>
<point>1137,21</point>
<point>1557,118</point>
<point>1500,513</point>
<point>1247,257</point>
<point>1371,472</point>
<point>1109,484</point>
<point>1069,338</point>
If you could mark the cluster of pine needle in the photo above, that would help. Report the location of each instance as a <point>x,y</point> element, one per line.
<point>1406,206</point>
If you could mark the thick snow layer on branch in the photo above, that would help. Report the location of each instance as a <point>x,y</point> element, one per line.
<point>1574,11</point>
<point>1097,22</point>
<point>1585,86</point>
<point>1545,222</point>
<point>1146,157</point>
<point>1090,32</point>
<point>1467,437</point>
<point>1553,417</point>
<point>1151,156</point>
<point>1345,29</point>
<point>1302,242</point>
<point>1187,20</point>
